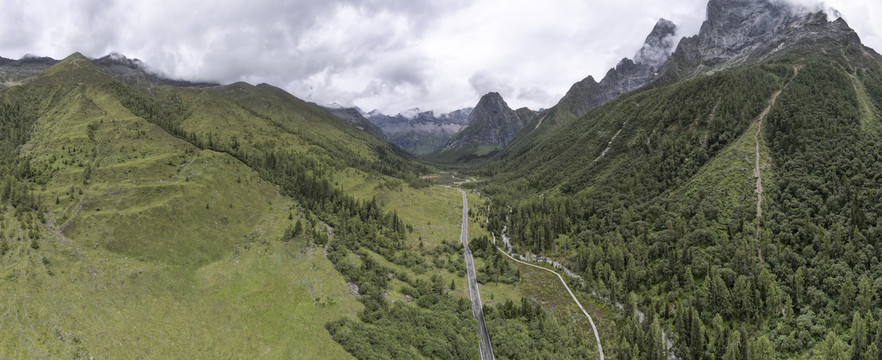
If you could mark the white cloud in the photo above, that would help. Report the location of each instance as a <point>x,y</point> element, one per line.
<point>386,54</point>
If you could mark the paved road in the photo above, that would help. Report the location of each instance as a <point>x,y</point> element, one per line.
<point>477,308</point>
<point>590,320</point>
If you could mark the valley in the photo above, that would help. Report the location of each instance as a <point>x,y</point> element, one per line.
<point>716,196</point>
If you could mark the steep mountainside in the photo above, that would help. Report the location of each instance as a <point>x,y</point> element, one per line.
<point>588,94</point>
<point>741,32</point>
<point>144,215</point>
<point>420,132</point>
<point>733,201</point>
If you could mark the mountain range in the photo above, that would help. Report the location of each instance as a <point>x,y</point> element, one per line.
<point>420,132</point>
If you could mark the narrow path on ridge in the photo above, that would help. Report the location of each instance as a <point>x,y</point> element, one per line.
<point>477,307</point>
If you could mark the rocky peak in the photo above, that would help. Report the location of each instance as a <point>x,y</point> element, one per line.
<point>735,25</point>
<point>743,31</point>
<point>627,76</point>
<point>658,44</point>
<point>492,102</point>
<point>491,122</point>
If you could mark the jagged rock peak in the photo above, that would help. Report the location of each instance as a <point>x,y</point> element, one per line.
<point>658,45</point>
<point>493,99</point>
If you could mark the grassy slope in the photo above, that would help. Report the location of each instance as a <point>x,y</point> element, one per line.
<point>170,241</point>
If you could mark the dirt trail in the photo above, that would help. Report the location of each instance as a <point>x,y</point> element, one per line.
<point>757,172</point>
<point>590,320</point>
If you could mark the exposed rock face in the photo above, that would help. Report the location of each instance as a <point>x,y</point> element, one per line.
<point>492,122</point>
<point>742,31</point>
<point>354,117</point>
<point>627,76</point>
<point>14,72</point>
<point>658,44</point>
<point>418,132</point>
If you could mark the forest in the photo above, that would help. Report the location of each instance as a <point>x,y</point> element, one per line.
<point>644,236</point>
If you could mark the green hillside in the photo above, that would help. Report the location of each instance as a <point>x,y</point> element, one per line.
<point>231,221</point>
<point>657,205</point>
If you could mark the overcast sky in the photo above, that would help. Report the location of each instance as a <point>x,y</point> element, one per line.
<point>390,55</point>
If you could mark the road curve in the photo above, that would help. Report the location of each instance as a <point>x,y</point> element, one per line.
<point>590,320</point>
<point>477,308</point>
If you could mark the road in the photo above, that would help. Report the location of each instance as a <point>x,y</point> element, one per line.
<point>477,308</point>
<point>590,320</point>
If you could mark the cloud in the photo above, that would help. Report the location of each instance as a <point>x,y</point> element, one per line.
<point>484,82</point>
<point>387,54</point>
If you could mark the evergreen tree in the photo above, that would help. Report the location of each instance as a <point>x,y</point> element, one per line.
<point>846,296</point>
<point>866,294</point>
<point>858,337</point>
<point>761,348</point>
<point>833,348</point>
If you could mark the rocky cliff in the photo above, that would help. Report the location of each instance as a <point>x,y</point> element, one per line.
<point>492,122</point>
<point>738,32</point>
<point>627,76</point>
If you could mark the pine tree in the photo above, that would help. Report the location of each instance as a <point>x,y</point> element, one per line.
<point>866,294</point>
<point>872,353</point>
<point>696,336</point>
<point>834,349</point>
<point>760,348</point>
<point>858,337</point>
<point>878,341</point>
<point>298,227</point>
<point>846,295</point>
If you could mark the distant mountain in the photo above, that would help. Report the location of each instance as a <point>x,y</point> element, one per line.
<point>14,72</point>
<point>492,122</point>
<point>420,132</point>
<point>354,117</point>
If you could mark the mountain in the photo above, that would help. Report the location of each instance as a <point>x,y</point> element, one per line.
<point>720,195</point>
<point>588,94</point>
<point>135,71</point>
<point>627,76</point>
<point>182,208</point>
<point>355,117</point>
<point>492,123</point>
<point>420,132</point>
<point>15,72</point>
<point>741,32</point>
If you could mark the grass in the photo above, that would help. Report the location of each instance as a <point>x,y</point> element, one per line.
<point>271,299</point>
<point>162,250</point>
<point>154,248</point>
